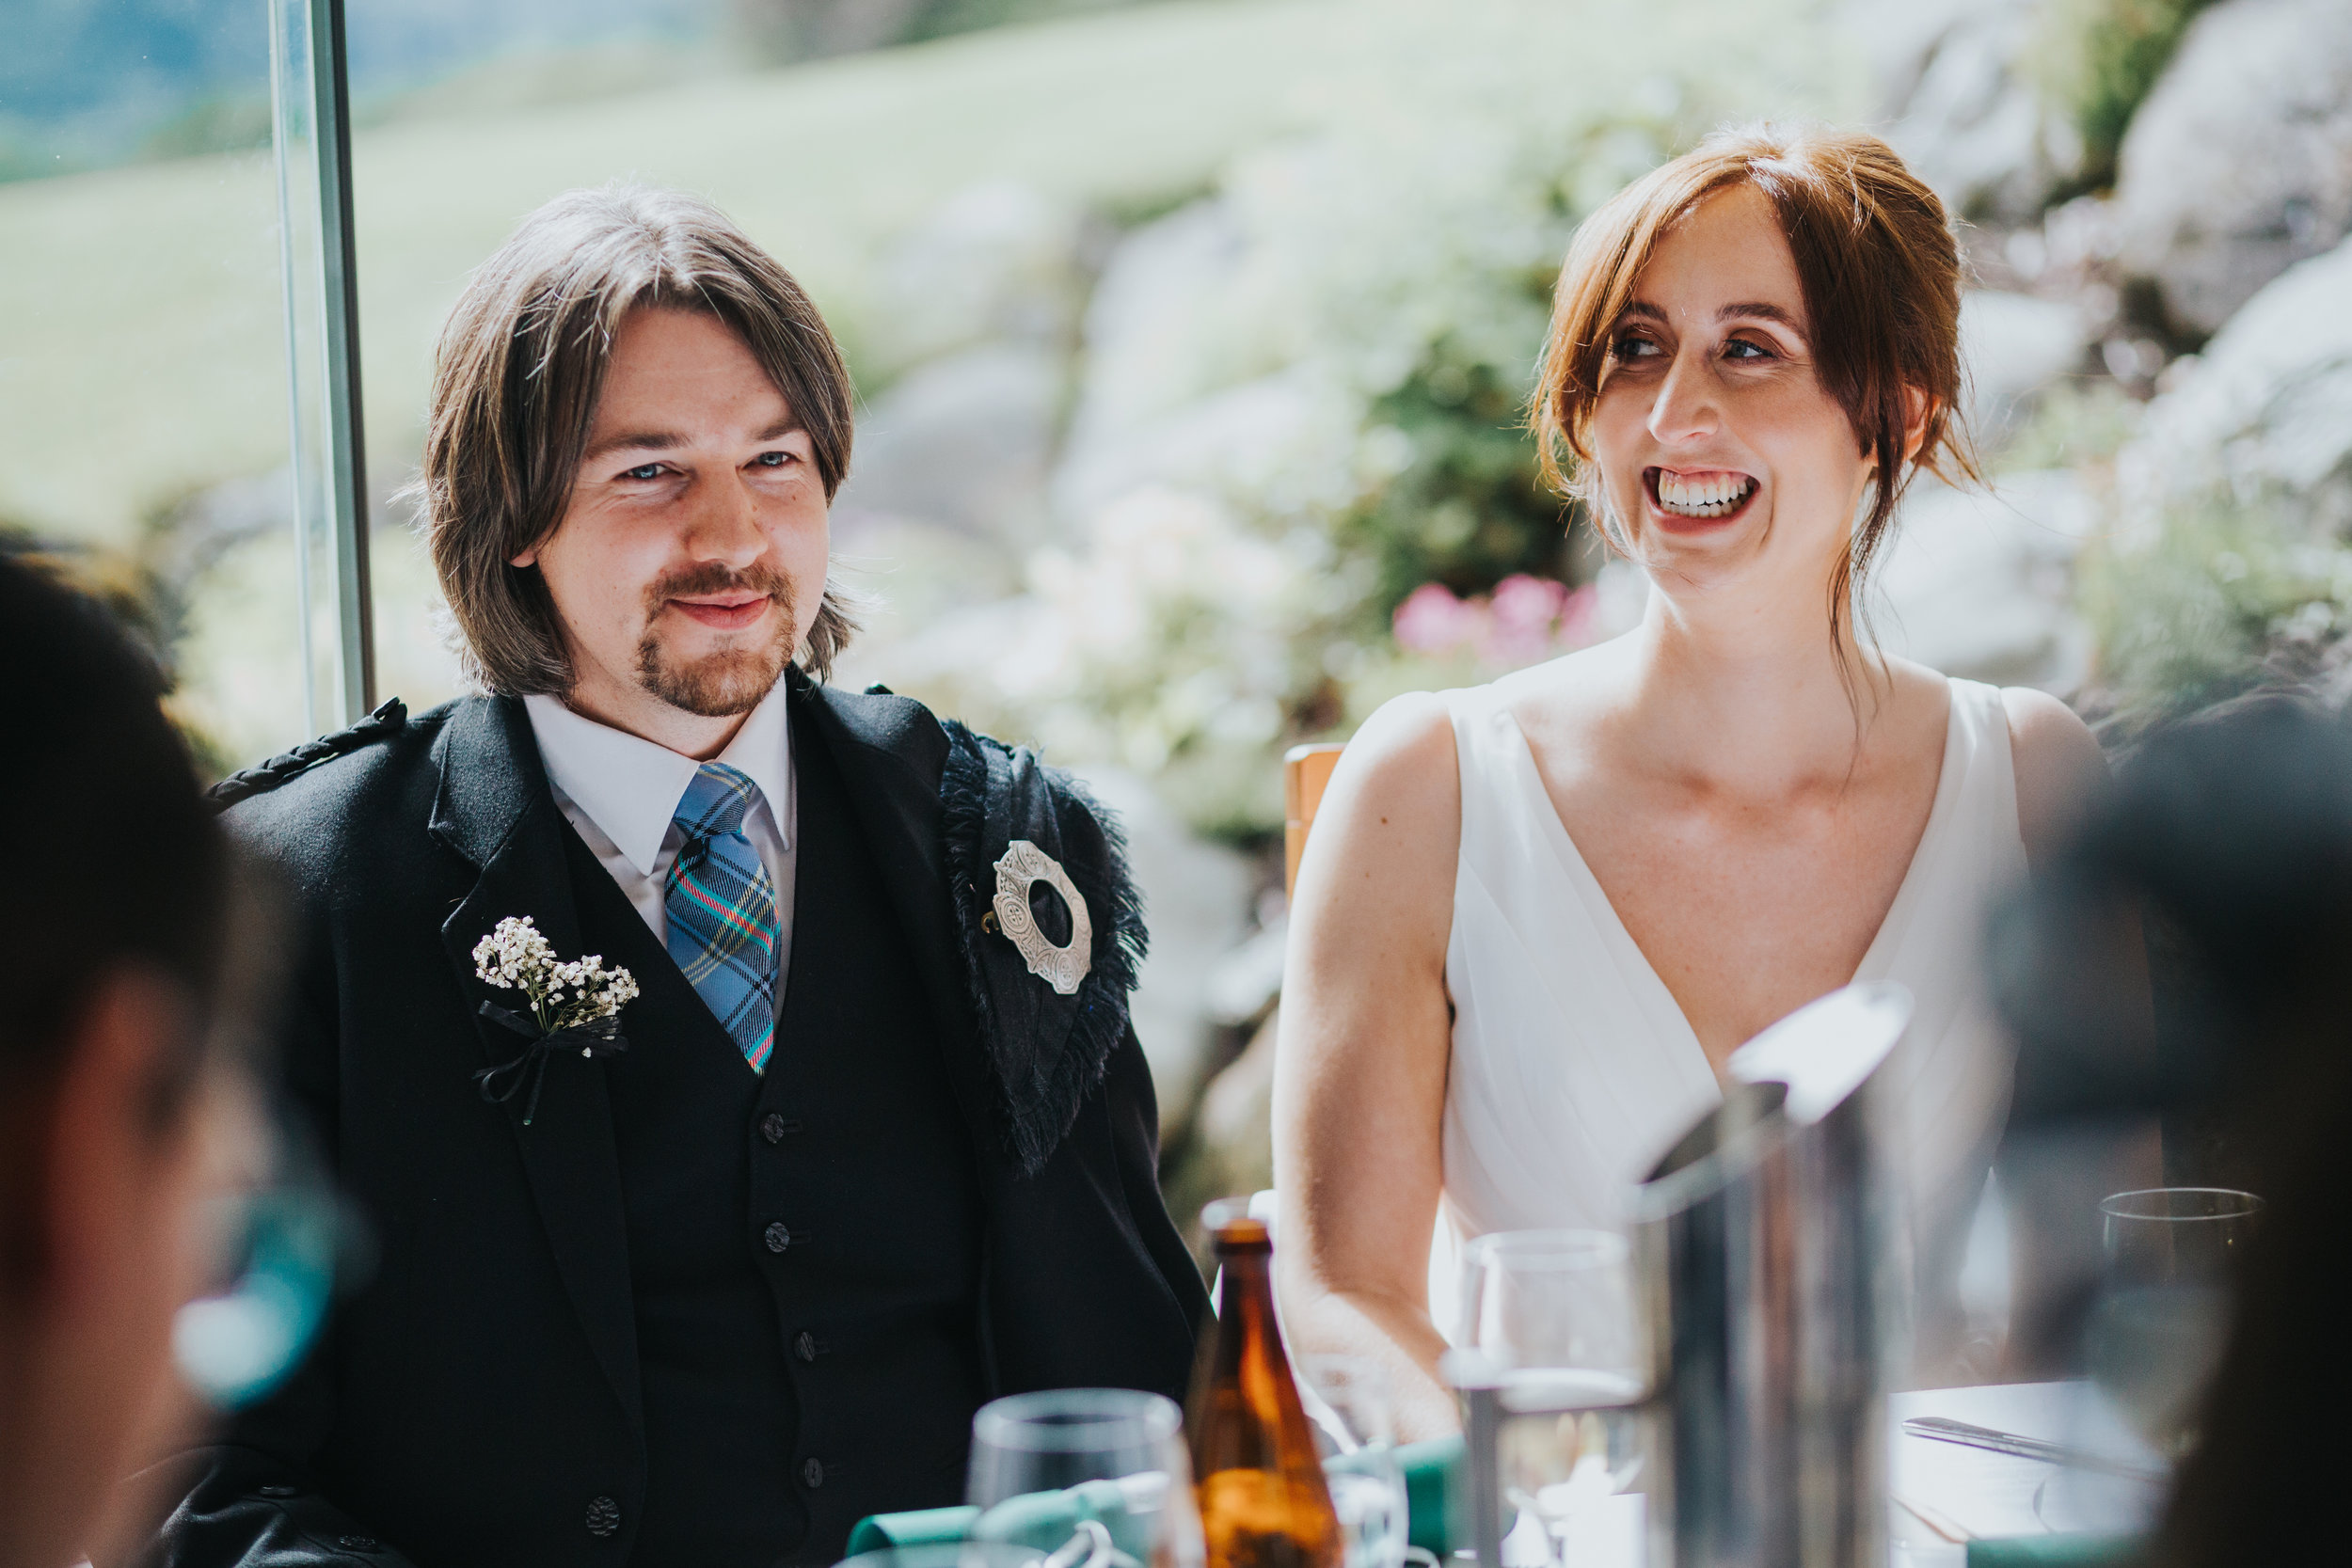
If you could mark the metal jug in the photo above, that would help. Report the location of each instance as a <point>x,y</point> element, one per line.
<point>1767,1255</point>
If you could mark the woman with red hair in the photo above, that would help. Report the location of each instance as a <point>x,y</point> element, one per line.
<point>1536,917</point>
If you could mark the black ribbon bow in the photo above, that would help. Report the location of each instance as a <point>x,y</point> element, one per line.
<point>598,1036</point>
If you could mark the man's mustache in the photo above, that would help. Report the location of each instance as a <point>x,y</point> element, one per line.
<point>692,583</point>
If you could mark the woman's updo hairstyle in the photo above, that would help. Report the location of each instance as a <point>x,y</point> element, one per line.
<point>1881,275</point>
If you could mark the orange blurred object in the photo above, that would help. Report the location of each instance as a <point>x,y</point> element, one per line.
<point>1306,770</point>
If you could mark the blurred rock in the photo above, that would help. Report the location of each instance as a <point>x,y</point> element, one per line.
<point>1229,1148</point>
<point>1280,443</point>
<point>964,443</point>
<point>2013,345</point>
<point>2265,412</point>
<point>1978,585</point>
<point>184,539</point>
<point>1897,42</point>
<point>1968,117</point>
<point>1197,903</point>
<point>998,261</point>
<point>1244,985</point>
<point>1169,396</point>
<point>2239,163</point>
<point>1141,347</point>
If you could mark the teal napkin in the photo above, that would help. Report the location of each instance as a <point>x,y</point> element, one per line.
<point>2054,1551</point>
<point>920,1526</point>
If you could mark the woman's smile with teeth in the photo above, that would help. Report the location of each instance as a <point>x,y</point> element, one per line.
<point>1708,492</point>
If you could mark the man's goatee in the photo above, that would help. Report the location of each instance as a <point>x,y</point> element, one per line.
<point>732,680</point>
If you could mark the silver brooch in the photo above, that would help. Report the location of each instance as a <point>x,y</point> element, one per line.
<point>1024,867</point>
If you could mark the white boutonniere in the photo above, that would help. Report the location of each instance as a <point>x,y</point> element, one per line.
<point>572,1004</point>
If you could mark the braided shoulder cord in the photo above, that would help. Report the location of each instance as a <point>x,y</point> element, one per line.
<point>265,777</point>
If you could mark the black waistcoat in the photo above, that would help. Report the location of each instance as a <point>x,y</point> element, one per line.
<point>803,1246</point>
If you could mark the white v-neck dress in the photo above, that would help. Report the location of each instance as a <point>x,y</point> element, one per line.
<point>1573,1068</point>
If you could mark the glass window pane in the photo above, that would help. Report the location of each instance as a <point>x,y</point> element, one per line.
<point>143,428</point>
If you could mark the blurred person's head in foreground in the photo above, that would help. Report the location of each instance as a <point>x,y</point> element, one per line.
<point>639,422</point>
<point>113,884</point>
<point>2232,834</point>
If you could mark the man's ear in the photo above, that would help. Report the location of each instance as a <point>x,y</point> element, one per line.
<point>529,555</point>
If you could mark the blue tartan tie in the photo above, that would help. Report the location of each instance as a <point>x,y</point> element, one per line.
<point>723,911</point>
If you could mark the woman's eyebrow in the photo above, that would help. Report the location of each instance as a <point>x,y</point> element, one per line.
<point>1761,312</point>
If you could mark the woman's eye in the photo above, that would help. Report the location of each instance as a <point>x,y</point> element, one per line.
<point>1740,348</point>
<point>774,459</point>
<point>1633,346</point>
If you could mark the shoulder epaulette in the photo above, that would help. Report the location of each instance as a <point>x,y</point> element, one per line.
<point>265,777</point>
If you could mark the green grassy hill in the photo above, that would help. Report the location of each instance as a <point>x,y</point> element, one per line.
<point>141,340</point>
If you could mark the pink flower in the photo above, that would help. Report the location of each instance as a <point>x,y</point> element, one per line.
<point>1432,621</point>
<point>1525,620</point>
<point>1520,618</point>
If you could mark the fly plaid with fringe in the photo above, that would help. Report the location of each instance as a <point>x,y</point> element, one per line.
<point>723,911</point>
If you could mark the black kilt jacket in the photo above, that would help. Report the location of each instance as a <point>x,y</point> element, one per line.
<point>476,1402</point>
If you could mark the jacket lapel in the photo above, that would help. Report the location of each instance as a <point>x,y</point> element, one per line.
<point>494,807</point>
<point>891,752</point>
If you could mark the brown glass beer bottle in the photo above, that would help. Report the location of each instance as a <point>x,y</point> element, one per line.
<point>1264,1501</point>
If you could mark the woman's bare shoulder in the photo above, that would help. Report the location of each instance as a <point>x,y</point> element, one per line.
<point>1392,814</point>
<point>2058,766</point>
<point>1407,734</point>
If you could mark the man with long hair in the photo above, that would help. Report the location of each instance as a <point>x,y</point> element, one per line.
<point>734,1071</point>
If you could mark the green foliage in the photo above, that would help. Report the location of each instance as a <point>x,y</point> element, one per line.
<point>2073,425</point>
<point>2220,599</point>
<point>2097,60</point>
<point>1467,510</point>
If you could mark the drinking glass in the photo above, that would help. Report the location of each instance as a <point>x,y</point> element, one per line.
<point>1097,1478</point>
<point>2177,1235</point>
<point>1347,1398</point>
<point>1553,1311</point>
<point>2157,1327</point>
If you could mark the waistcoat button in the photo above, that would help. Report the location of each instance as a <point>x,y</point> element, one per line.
<point>807,1345</point>
<point>777,1236</point>
<point>359,1543</point>
<point>604,1517</point>
<point>813,1473</point>
<point>279,1489</point>
<point>772,1127</point>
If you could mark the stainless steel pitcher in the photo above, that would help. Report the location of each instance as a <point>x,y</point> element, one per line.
<point>1770,1261</point>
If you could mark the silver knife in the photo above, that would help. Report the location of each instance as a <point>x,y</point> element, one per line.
<point>1945,1430</point>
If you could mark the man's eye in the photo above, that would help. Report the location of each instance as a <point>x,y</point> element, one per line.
<point>643,472</point>
<point>774,459</point>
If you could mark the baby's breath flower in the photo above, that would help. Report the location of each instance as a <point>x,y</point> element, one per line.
<point>563,995</point>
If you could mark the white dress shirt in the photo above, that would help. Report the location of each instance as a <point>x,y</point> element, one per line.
<point>621,791</point>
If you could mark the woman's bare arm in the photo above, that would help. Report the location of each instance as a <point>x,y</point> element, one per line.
<point>1360,1063</point>
<point>2060,771</point>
